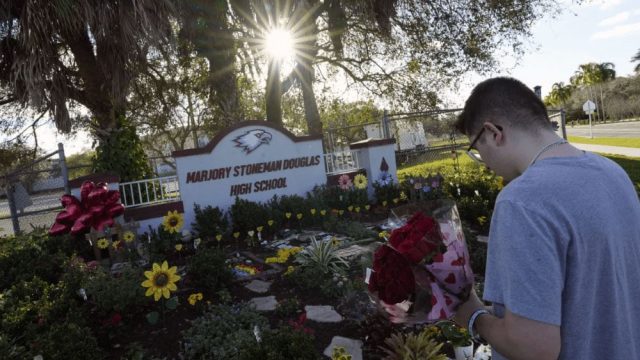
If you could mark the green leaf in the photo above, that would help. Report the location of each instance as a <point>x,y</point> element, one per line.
<point>172,303</point>
<point>153,317</point>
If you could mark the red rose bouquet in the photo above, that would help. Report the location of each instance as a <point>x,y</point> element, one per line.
<point>423,271</point>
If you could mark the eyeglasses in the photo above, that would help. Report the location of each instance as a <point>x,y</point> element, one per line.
<point>473,153</point>
<point>475,156</point>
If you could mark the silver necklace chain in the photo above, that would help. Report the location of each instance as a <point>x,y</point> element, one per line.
<point>559,142</point>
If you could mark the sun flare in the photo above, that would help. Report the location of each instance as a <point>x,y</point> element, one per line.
<point>279,44</point>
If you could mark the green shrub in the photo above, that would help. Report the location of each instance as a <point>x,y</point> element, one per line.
<point>313,279</point>
<point>208,269</point>
<point>121,294</point>
<point>287,307</point>
<point>162,243</point>
<point>282,343</point>
<point>68,341</point>
<point>248,215</point>
<point>222,332</point>
<point>210,221</point>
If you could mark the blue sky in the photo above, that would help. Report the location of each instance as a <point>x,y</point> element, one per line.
<point>597,31</point>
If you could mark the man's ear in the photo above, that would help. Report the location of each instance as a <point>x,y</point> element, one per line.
<point>496,131</point>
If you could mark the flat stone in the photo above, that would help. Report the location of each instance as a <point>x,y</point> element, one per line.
<point>353,347</point>
<point>258,286</point>
<point>322,313</point>
<point>266,303</point>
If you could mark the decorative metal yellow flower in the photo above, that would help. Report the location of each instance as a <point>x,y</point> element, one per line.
<point>270,222</point>
<point>218,237</point>
<point>312,211</point>
<point>360,181</point>
<point>340,212</point>
<point>384,203</point>
<point>367,207</point>
<point>128,236</point>
<point>357,209</point>
<point>350,208</point>
<point>259,228</point>
<point>173,221</point>
<point>236,234</point>
<point>323,212</point>
<point>178,247</point>
<point>102,243</point>
<point>287,215</point>
<point>299,216</point>
<point>395,201</point>
<point>161,280</point>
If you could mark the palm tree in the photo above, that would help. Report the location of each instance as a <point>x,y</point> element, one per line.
<point>560,93</point>
<point>635,58</point>
<point>591,74</point>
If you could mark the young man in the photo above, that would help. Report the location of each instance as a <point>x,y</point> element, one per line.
<point>563,264</point>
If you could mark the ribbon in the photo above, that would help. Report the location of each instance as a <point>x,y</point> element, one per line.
<point>97,208</point>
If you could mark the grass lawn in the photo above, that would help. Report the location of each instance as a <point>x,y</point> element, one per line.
<point>624,142</point>
<point>630,165</point>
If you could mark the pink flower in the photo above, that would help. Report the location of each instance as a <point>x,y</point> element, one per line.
<point>344,182</point>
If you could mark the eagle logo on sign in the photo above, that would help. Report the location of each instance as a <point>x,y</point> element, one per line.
<point>252,139</point>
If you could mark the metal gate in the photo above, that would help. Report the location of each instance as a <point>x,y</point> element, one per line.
<point>30,196</point>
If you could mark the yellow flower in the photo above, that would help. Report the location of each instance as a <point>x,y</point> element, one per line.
<point>350,208</point>
<point>482,220</point>
<point>384,203</point>
<point>103,243</point>
<point>173,221</point>
<point>395,201</point>
<point>194,298</point>
<point>323,212</point>
<point>115,244</point>
<point>178,247</point>
<point>360,181</point>
<point>287,215</point>
<point>335,241</point>
<point>312,211</point>
<point>290,269</point>
<point>236,234</point>
<point>383,234</point>
<point>128,236</point>
<point>270,222</point>
<point>218,237</point>
<point>259,228</point>
<point>161,280</point>
<point>403,196</point>
<point>367,207</point>
<point>299,216</point>
<point>357,209</point>
<point>340,211</point>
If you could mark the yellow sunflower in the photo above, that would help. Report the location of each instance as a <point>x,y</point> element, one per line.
<point>161,280</point>
<point>103,243</point>
<point>128,236</point>
<point>116,244</point>
<point>360,181</point>
<point>173,221</point>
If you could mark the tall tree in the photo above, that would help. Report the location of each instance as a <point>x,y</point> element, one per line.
<point>60,53</point>
<point>559,94</point>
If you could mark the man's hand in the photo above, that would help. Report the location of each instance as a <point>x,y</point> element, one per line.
<point>464,311</point>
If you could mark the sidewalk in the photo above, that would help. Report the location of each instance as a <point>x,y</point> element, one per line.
<point>618,150</point>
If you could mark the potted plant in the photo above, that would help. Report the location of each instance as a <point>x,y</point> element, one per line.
<point>459,338</point>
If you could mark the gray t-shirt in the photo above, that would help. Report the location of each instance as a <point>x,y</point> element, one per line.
<point>564,249</point>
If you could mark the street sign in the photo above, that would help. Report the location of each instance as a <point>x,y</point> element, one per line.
<point>589,107</point>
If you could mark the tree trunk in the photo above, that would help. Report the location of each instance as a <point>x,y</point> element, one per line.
<point>274,93</point>
<point>309,49</point>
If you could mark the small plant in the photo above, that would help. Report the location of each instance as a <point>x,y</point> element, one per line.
<point>321,255</point>
<point>288,307</point>
<point>222,332</point>
<point>454,334</point>
<point>340,353</point>
<point>121,294</point>
<point>282,343</point>
<point>208,269</point>
<point>412,346</point>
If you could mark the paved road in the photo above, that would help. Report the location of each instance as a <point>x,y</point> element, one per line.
<point>621,129</point>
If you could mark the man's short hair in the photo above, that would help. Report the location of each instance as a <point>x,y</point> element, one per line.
<point>502,100</point>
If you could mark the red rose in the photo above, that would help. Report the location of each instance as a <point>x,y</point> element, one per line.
<point>392,278</point>
<point>417,239</point>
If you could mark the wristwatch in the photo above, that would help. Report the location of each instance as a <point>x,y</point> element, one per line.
<point>472,320</point>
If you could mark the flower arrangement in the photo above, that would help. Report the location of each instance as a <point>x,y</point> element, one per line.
<point>344,182</point>
<point>423,271</point>
<point>283,255</point>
